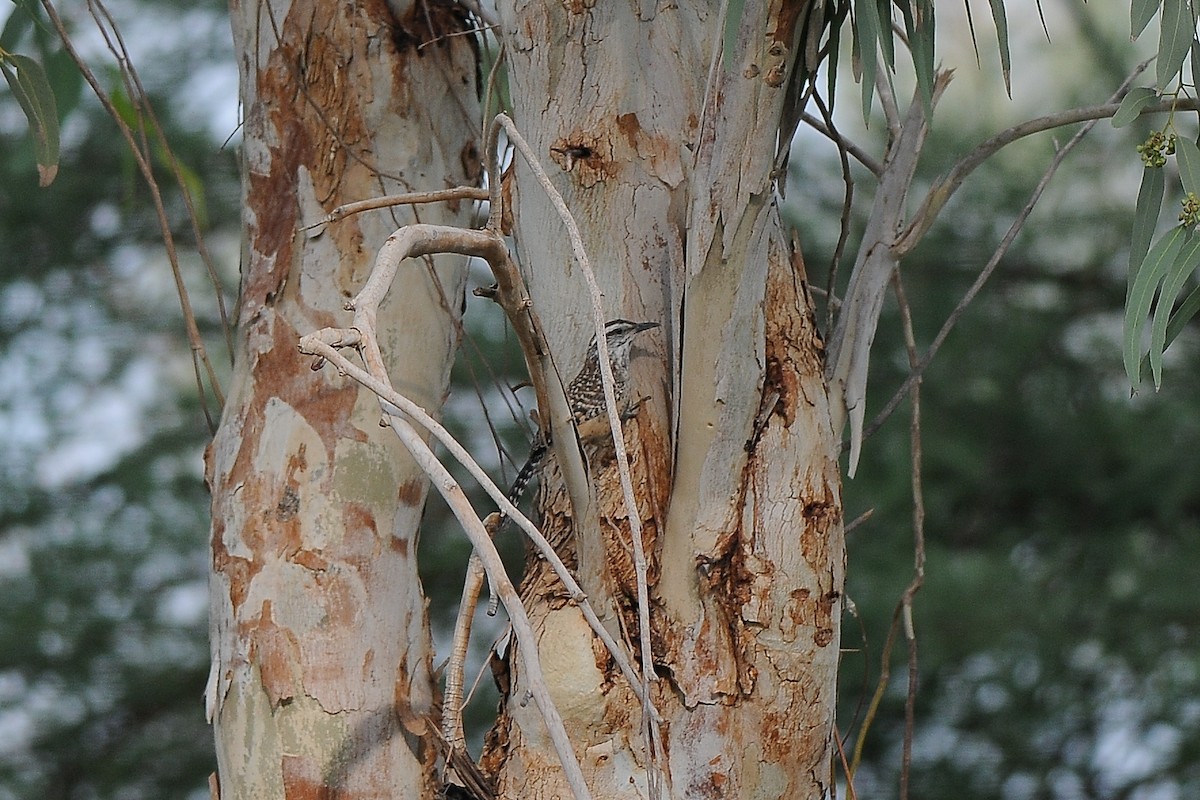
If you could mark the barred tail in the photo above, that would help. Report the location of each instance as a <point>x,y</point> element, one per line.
<point>536,456</point>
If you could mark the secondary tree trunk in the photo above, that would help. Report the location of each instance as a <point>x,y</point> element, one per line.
<point>664,150</point>
<point>321,651</point>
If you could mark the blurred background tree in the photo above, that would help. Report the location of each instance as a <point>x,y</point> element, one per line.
<point>1058,626</point>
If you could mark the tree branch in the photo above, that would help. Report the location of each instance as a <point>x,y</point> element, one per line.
<point>945,188</point>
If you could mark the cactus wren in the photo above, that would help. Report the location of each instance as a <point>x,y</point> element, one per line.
<point>585,393</point>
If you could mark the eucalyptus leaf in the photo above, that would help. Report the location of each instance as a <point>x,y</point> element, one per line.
<point>919,25</point>
<point>19,21</point>
<point>1187,156</point>
<point>1145,219</point>
<point>1141,295</point>
<point>1001,21</point>
<point>1140,14</point>
<point>28,83</point>
<point>1131,106</point>
<point>1183,315</point>
<point>887,44</point>
<point>1195,60</point>
<point>866,35</point>
<point>1178,30</point>
<point>1178,272</point>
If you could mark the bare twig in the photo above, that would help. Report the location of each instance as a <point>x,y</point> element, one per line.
<point>918,579</point>
<point>452,702</point>
<point>145,109</point>
<point>1001,249</point>
<point>860,155</point>
<point>945,188</point>
<point>837,740</point>
<point>201,365</point>
<point>847,207</point>
<point>408,198</point>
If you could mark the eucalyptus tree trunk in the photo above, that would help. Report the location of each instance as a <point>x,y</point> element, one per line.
<point>662,139</point>
<point>321,675</point>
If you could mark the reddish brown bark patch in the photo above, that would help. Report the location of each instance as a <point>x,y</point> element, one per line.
<point>277,654</point>
<point>411,493</point>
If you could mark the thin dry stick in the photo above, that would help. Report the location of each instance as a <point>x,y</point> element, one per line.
<point>452,703</point>
<point>847,203</point>
<point>885,676</point>
<point>408,198</point>
<point>201,365</point>
<point>1001,249</point>
<point>945,188</point>
<point>377,381</point>
<point>145,109</point>
<point>918,579</point>
<point>837,741</point>
<point>860,155</point>
<point>614,419</point>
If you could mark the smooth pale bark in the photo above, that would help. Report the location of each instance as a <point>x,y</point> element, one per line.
<point>664,153</point>
<point>321,672</point>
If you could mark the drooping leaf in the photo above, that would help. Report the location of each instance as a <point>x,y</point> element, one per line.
<point>1177,31</point>
<point>1187,155</point>
<point>1183,315</point>
<point>1195,59</point>
<point>887,44</point>
<point>1178,272</point>
<point>28,83</point>
<point>19,21</point>
<point>1001,20</point>
<point>1132,104</point>
<point>866,36</point>
<point>814,28</point>
<point>971,29</point>
<point>1145,218</point>
<point>920,27</point>
<point>1141,296</point>
<point>1140,14</point>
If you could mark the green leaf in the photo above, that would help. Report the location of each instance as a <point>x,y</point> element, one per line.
<point>19,21</point>
<point>1195,61</point>
<point>29,85</point>
<point>920,28</point>
<point>866,35</point>
<point>1187,310</point>
<point>1141,295</point>
<point>1131,107</point>
<point>1145,219</point>
<point>1178,30</point>
<point>1177,274</point>
<point>733,21</point>
<point>66,81</point>
<point>887,44</point>
<point>1140,14</point>
<point>1187,156</point>
<point>1001,21</point>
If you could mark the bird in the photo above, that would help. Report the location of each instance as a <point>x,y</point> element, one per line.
<point>585,392</point>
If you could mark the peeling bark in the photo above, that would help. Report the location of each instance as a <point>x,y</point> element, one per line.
<point>321,668</point>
